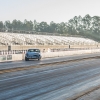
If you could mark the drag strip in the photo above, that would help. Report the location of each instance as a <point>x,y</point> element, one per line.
<point>57,82</point>
<point>20,64</point>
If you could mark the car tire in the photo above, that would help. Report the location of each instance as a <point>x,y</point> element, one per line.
<point>26,59</point>
<point>39,58</point>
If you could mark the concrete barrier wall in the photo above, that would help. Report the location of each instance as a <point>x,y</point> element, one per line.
<point>65,53</point>
<point>17,57</point>
<point>12,57</point>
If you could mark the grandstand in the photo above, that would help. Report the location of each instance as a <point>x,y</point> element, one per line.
<point>29,40</point>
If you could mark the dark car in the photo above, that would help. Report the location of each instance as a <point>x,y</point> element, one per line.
<point>32,54</point>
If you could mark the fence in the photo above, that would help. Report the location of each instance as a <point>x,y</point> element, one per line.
<point>6,52</point>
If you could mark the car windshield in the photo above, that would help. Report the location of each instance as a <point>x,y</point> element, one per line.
<point>33,50</point>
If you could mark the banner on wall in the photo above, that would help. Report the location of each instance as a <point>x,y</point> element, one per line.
<point>3,58</point>
<point>9,57</point>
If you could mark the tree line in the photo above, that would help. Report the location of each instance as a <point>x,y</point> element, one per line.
<point>86,26</point>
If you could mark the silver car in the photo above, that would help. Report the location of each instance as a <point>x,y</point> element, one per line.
<point>32,54</point>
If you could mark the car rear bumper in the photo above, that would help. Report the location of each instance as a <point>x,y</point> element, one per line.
<point>33,57</point>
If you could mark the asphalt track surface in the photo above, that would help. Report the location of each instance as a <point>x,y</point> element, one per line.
<point>57,82</point>
<point>8,65</point>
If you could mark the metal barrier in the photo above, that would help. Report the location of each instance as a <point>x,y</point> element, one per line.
<point>6,52</point>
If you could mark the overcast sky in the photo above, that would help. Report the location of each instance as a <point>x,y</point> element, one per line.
<point>47,10</point>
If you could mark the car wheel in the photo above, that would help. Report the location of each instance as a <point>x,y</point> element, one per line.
<point>39,58</point>
<point>26,59</point>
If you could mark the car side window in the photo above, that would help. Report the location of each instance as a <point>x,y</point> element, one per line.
<point>29,50</point>
<point>37,50</point>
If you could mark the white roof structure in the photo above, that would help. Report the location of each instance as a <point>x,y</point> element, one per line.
<point>31,39</point>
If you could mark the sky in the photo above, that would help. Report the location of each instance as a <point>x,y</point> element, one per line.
<point>47,10</point>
